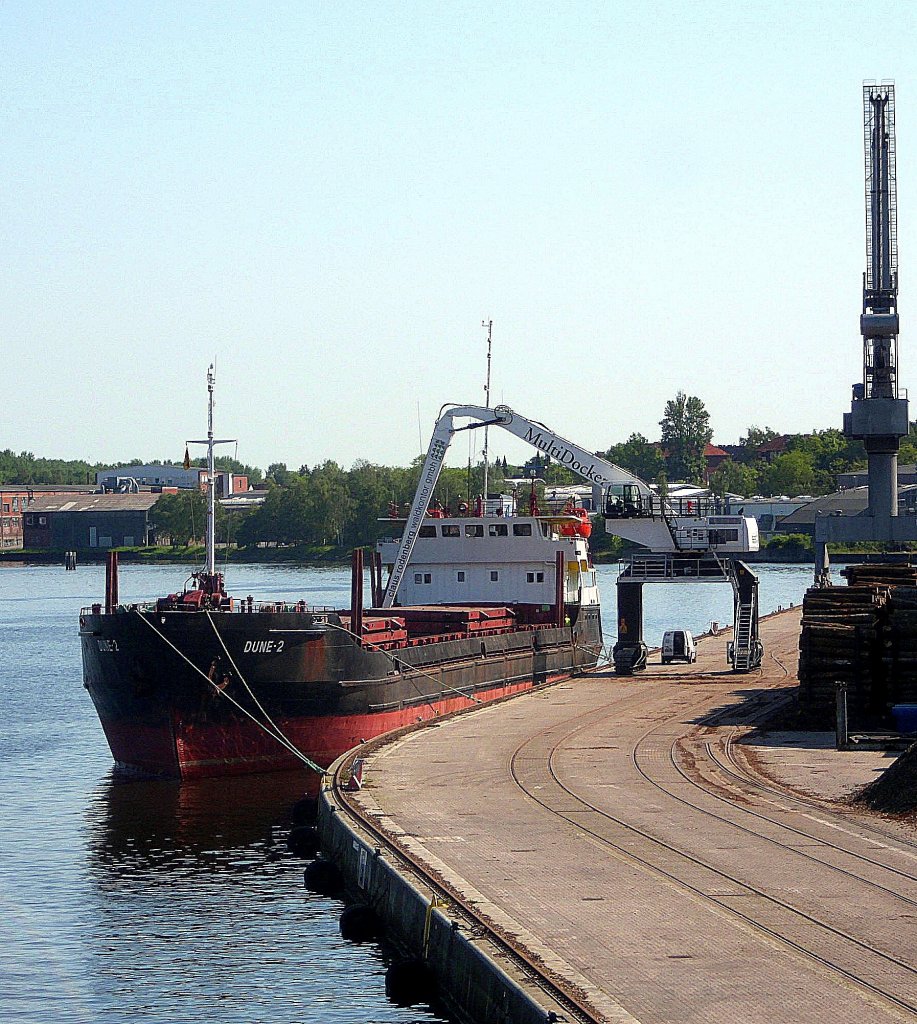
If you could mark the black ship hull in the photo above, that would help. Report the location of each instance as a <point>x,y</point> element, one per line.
<point>209,692</point>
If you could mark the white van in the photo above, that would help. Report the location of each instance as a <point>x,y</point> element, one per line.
<point>678,645</point>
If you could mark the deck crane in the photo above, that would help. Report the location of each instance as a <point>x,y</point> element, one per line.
<point>683,540</point>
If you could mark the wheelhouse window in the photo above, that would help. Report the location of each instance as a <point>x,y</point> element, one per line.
<point>498,530</point>
<point>522,529</point>
<point>474,530</point>
<point>428,531</point>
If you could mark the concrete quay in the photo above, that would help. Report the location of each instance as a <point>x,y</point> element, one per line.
<point>657,858</point>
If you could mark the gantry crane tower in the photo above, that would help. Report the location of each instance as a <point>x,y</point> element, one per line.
<point>879,410</point>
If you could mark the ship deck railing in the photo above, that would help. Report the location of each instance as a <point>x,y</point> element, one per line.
<point>239,607</point>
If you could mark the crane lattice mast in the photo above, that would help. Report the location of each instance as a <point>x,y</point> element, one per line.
<point>879,323</point>
<point>879,411</point>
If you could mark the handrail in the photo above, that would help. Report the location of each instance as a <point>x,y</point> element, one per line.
<point>240,607</point>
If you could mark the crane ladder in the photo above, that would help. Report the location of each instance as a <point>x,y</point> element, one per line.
<point>743,637</point>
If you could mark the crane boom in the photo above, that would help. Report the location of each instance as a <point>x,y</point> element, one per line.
<point>644,518</point>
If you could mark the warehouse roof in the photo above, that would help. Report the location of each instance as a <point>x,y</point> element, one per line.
<point>94,503</point>
<point>850,502</point>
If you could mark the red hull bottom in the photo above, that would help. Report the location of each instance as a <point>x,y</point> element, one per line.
<point>197,751</point>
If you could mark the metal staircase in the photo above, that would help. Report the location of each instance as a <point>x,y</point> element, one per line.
<point>746,649</point>
<point>742,657</point>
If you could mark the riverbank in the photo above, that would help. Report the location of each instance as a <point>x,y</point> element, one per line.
<point>300,555</point>
<point>335,556</point>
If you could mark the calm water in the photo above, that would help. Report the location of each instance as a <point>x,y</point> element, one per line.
<point>157,901</point>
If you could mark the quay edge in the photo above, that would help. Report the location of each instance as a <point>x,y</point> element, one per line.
<point>477,981</point>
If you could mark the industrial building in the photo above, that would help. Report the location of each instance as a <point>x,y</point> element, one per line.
<point>907,475</point>
<point>131,479</point>
<point>16,499</point>
<point>89,522</point>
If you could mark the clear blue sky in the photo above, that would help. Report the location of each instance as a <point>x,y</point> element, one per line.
<point>330,197</point>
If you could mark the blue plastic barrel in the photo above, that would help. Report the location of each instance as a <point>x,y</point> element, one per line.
<point>905,716</point>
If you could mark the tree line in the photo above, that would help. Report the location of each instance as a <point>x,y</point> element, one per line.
<point>25,469</point>
<point>327,505</point>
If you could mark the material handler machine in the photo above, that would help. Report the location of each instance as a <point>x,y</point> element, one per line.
<point>683,540</point>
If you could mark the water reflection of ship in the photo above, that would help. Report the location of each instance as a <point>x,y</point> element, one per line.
<point>142,825</point>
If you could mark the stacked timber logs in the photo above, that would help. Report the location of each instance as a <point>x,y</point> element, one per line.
<point>899,630</point>
<point>899,646</point>
<point>840,642</point>
<point>892,575</point>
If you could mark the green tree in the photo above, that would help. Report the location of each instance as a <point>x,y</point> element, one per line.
<point>830,453</point>
<point>755,437</point>
<point>560,476</point>
<point>639,456</point>
<point>791,473</point>
<point>662,486</point>
<point>182,517</point>
<point>278,472</point>
<point>263,525</point>
<point>734,478</point>
<point>25,468</point>
<point>331,505</point>
<point>685,433</point>
<point>371,489</point>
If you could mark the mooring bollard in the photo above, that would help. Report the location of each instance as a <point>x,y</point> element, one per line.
<point>841,729</point>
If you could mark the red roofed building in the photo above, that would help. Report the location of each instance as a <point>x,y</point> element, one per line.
<point>776,446</point>
<point>713,458</point>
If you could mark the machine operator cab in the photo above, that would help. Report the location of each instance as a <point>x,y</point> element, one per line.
<point>624,501</point>
<point>678,645</point>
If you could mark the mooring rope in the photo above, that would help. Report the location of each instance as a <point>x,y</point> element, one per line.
<point>278,736</point>
<point>600,651</point>
<point>287,742</point>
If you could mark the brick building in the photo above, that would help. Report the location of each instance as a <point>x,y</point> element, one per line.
<point>15,500</point>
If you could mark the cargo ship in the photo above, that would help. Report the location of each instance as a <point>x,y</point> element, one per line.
<point>199,683</point>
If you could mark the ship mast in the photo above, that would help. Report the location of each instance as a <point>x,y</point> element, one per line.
<point>210,572</point>
<point>489,324</point>
<point>211,490</point>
